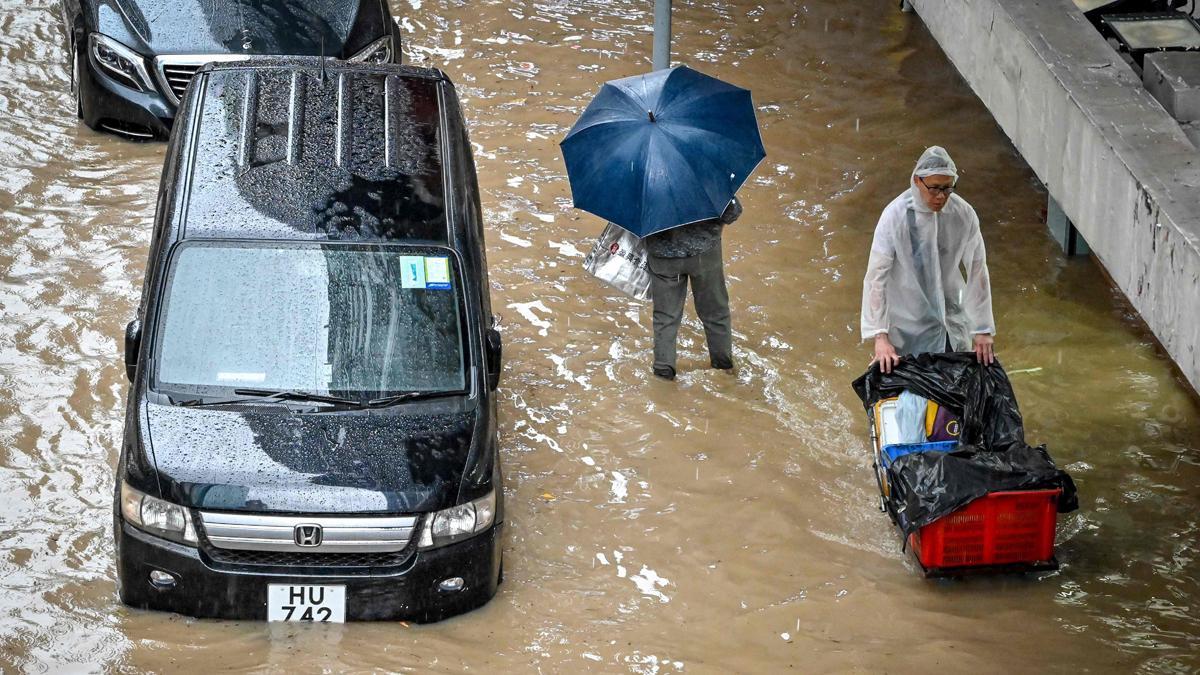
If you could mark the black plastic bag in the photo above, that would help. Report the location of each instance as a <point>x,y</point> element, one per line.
<point>928,485</point>
<point>993,456</point>
<point>982,395</point>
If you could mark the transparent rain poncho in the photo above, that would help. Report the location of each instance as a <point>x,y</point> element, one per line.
<point>914,290</point>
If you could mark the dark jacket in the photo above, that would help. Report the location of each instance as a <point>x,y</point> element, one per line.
<point>694,238</point>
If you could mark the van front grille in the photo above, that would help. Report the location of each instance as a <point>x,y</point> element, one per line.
<point>270,541</point>
<point>307,535</point>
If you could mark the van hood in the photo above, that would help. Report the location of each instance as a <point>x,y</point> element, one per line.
<point>269,460</point>
<point>249,27</point>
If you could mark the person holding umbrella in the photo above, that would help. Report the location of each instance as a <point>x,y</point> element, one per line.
<point>915,300</point>
<point>662,155</point>
<point>691,252</point>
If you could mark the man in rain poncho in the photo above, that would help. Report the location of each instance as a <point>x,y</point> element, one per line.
<point>915,298</point>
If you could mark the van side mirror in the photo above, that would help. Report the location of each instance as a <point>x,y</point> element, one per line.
<point>494,351</point>
<point>133,343</point>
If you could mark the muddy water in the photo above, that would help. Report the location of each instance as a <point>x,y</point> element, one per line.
<point>720,523</point>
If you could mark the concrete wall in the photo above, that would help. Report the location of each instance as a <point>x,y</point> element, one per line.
<point>1120,167</point>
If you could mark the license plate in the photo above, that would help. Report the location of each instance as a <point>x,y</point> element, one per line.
<point>307,604</point>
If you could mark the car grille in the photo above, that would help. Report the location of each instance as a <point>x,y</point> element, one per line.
<point>175,71</point>
<point>177,76</point>
<point>243,539</point>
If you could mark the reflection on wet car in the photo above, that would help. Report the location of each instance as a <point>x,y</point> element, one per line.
<point>131,60</point>
<point>310,432</point>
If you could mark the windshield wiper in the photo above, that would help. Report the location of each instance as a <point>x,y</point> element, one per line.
<point>293,395</point>
<point>385,401</point>
<point>260,395</point>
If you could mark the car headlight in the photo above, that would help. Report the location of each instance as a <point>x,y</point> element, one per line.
<point>379,51</point>
<point>162,518</point>
<point>122,63</point>
<point>458,522</point>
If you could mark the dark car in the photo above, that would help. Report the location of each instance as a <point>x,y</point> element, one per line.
<point>310,431</point>
<point>131,60</point>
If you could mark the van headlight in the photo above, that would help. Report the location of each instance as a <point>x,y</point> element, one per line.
<point>379,51</point>
<point>158,517</point>
<point>458,522</point>
<point>120,62</point>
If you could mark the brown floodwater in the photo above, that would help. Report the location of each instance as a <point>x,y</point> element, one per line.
<point>721,523</point>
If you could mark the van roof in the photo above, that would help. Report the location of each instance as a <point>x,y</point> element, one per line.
<point>300,149</point>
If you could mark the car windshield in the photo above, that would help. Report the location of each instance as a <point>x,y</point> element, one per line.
<point>337,319</point>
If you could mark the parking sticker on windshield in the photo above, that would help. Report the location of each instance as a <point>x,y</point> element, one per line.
<point>437,273</point>
<point>412,271</point>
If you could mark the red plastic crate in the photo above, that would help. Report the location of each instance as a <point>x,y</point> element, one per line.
<point>1002,528</point>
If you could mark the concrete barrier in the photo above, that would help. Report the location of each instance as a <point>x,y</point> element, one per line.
<point>1120,167</point>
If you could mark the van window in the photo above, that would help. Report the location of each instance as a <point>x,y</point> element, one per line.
<point>326,318</point>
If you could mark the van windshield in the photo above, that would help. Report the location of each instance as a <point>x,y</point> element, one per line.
<point>324,318</point>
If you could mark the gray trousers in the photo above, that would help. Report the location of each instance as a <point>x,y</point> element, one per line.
<point>668,288</point>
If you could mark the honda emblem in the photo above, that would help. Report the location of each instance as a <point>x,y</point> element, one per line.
<point>308,535</point>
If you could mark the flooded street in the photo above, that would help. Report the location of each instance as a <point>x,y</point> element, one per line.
<point>720,523</point>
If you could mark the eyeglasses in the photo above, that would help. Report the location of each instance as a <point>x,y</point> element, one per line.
<point>937,190</point>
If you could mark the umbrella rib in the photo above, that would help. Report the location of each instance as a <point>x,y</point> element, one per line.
<point>602,123</point>
<point>701,108</point>
<point>686,162</point>
<point>692,99</point>
<point>714,137</point>
<point>719,142</point>
<point>643,154</point>
<point>627,97</point>
<point>618,104</point>
<point>666,190</point>
<point>619,154</point>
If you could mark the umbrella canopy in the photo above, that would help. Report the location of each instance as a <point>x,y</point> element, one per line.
<point>668,148</point>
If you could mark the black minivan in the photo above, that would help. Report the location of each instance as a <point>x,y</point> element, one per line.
<point>310,432</point>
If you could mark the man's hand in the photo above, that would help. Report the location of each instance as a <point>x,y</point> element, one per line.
<point>984,352</point>
<point>885,353</point>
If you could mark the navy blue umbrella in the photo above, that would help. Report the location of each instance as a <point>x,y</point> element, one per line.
<point>668,148</point>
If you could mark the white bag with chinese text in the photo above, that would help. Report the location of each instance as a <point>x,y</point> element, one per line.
<point>619,260</point>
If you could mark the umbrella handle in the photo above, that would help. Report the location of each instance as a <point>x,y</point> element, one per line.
<point>651,114</point>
